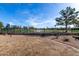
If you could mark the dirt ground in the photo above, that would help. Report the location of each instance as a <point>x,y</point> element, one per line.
<point>27,45</point>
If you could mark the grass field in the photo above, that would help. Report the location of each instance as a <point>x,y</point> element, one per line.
<point>38,30</point>
<point>24,45</point>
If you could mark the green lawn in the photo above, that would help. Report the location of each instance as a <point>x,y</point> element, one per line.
<point>32,30</point>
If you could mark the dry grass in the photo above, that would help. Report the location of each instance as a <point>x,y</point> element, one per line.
<point>24,45</point>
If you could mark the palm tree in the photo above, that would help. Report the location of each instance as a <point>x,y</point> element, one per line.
<point>68,17</point>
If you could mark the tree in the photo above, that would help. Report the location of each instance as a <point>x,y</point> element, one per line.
<point>1,25</point>
<point>68,16</point>
<point>8,26</point>
<point>24,27</point>
<point>77,24</point>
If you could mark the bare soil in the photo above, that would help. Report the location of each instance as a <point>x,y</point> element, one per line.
<point>27,45</point>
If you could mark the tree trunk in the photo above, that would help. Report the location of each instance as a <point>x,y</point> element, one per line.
<point>66,27</point>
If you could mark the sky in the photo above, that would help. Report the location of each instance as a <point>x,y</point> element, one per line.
<point>39,15</point>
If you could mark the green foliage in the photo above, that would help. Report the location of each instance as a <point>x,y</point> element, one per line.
<point>77,23</point>
<point>68,17</point>
<point>1,25</point>
<point>7,26</point>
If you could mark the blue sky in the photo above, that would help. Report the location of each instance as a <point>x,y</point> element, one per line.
<point>31,14</point>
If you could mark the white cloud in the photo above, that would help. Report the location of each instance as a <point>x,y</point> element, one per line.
<point>41,24</point>
<point>75,5</point>
<point>25,12</point>
<point>11,23</point>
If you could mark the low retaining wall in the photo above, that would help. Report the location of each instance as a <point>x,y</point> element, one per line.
<point>42,33</point>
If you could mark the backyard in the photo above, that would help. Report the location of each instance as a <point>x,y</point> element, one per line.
<point>39,29</point>
<point>27,45</point>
